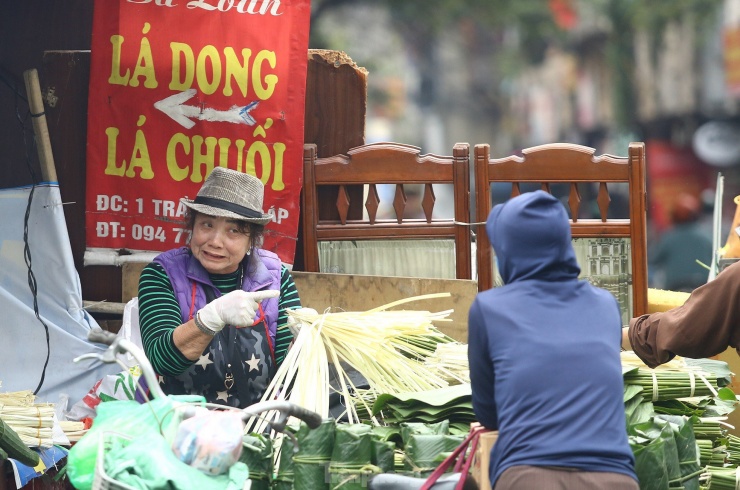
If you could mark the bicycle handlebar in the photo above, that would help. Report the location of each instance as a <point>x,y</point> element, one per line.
<point>119,345</point>
<point>286,409</point>
<point>312,419</point>
<point>101,336</point>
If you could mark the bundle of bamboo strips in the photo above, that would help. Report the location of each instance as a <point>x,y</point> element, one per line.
<point>452,361</point>
<point>72,429</point>
<point>33,424</point>
<point>388,347</point>
<point>18,398</point>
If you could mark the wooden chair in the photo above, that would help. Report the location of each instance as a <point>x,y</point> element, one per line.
<point>575,169</point>
<point>385,163</point>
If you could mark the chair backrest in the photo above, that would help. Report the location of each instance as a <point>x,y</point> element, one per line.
<point>385,163</point>
<point>579,174</point>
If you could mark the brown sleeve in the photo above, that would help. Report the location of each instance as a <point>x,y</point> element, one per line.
<point>702,327</point>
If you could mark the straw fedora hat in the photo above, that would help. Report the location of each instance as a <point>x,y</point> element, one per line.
<point>231,194</point>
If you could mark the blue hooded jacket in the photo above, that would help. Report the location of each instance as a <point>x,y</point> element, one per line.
<point>544,349</point>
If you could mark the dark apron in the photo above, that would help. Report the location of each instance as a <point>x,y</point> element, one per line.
<point>235,369</point>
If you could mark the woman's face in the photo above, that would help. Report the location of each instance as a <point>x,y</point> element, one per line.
<point>218,244</point>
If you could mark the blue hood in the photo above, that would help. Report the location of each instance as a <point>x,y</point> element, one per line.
<point>531,236</point>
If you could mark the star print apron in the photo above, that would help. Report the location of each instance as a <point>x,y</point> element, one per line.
<point>235,369</point>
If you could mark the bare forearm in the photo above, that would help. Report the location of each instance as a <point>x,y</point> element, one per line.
<point>190,341</point>
<point>626,339</point>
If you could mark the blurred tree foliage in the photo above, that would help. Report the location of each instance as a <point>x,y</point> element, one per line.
<point>535,29</point>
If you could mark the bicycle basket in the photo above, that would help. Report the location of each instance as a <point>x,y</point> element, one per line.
<point>101,480</point>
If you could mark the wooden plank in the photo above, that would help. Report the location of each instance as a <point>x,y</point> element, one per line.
<point>130,280</point>
<point>351,292</point>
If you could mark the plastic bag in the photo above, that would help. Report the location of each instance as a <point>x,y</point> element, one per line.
<point>210,441</point>
<point>128,418</point>
<point>148,463</point>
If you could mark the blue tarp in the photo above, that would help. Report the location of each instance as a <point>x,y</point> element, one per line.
<point>23,348</point>
<point>49,458</point>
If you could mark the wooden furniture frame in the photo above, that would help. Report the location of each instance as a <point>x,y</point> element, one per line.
<point>570,164</point>
<point>386,163</point>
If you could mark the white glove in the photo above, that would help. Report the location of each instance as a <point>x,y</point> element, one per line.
<point>236,308</point>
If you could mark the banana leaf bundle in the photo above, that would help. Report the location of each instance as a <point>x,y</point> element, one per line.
<point>453,404</point>
<point>257,455</point>
<point>285,475</point>
<point>708,428</point>
<point>733,450</point>
<point>314,454</point>
<point>351,460</point>
<point>720,478</point>
<point>666,384</point>
<point>666,453</point>
<point>709,454</point>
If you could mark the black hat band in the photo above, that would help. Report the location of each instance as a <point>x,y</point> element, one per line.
<point>229,206</point>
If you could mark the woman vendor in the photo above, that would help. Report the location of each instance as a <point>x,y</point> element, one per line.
<point>213,313</point>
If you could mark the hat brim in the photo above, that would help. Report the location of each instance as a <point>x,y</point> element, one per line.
<point>214,211</point>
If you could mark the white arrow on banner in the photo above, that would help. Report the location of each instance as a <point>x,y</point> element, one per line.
<point>174,107</point>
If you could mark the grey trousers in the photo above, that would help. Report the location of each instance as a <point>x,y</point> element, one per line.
<point>549,478</point>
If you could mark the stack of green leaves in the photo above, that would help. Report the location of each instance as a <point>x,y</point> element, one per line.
<point>733,450</point>
<point>636,408</point>
<point>315,448</point>
<point>426,446</point>
<point>351,460</point>
<point>708,428</point>
<point>666,453</point>
<point>711,454</point>
<point>453,404</point>
<point>720,478</point>
<point>285,475</point>
<point>257,455</point>
<point>668,384</point>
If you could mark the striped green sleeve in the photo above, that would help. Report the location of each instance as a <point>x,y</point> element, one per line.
<point>289,300</point>
<point>159,315</point>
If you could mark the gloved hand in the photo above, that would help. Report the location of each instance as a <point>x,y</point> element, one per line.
<point>293,322</point>
<point>236,308</point>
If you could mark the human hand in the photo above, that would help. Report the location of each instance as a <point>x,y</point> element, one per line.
<point>236,308</point>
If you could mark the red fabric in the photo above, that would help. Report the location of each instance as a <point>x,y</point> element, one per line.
<point>564,13</point>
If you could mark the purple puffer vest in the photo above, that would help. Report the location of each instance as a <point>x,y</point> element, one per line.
<point>183,270</point>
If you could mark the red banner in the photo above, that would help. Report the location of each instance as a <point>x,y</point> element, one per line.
<point>178,87</point>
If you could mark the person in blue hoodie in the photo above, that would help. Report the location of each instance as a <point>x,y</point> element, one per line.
<point>544,359</point>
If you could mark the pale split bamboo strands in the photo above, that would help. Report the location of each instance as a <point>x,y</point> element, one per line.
<point>452,361</point>
<point>33,424</point>
<point>24,398</point>
<point>387,347</point>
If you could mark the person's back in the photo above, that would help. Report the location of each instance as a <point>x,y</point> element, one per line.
<point>674,257</point>
<point>544,356</point>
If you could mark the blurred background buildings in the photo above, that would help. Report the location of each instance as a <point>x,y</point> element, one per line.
<point>517,74</point>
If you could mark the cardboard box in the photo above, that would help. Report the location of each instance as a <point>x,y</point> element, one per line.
<point>479,467</point>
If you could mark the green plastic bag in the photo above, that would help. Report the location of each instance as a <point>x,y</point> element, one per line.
<point>148,463</point>
<point>127,418</point>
